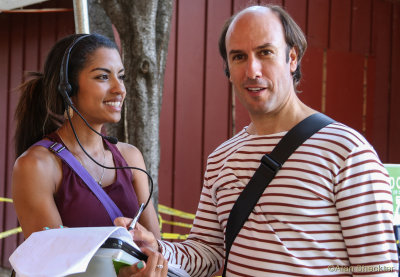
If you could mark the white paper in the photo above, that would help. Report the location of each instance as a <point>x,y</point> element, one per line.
<point>66,251</point>
<point>60,252</point>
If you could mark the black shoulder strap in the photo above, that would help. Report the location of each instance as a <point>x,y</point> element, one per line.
<point>270,165</point>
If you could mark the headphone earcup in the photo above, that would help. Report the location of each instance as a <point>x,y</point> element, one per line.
<point>64,86</point>
<point>65,89</point>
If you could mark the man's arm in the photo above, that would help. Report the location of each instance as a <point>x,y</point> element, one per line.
<point>364,205</point>
<point>202,253</point>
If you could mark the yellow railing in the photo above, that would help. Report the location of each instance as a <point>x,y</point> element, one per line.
<point>177,213</point>
<point>162,209</point>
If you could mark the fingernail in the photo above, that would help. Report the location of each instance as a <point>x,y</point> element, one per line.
<point>46,228</point>
<point>61,226</point>
<point>140,265</point>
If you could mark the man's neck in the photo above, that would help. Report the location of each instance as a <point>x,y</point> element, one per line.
<point>281,121</point>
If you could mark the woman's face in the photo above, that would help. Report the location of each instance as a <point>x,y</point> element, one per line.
<point>101,87</point>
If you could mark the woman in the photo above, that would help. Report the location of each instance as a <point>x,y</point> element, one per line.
<point>46,192</point>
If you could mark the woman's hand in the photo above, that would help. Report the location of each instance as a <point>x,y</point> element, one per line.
<point>156,266</point>
<point>141,236</point>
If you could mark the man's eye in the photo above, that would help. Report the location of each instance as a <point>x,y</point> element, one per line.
<point>265,52</point>
<point>238,57</point>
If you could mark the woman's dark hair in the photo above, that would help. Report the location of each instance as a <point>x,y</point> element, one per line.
<point>293,35</point>
<point>41,106</point>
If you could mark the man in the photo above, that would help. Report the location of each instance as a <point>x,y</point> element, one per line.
<point>328,211</point>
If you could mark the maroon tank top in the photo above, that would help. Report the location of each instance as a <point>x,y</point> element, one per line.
<point>79,207</point>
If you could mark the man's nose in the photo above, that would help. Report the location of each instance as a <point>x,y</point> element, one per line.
<point>253,68</point>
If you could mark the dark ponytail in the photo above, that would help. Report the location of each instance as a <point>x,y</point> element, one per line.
<point>34,120</point>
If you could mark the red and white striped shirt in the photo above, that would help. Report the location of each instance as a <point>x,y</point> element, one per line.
<point>328,211</point>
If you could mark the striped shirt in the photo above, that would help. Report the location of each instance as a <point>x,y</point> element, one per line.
<point>328,211</point>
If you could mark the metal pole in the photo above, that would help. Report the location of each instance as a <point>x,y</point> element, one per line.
<point>81,17</point>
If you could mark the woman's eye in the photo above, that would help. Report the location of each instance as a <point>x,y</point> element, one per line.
<point>102,77</point>
<point>122,77</point>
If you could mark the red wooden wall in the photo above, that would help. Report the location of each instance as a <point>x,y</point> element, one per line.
<point>25,42</point>
<point>349,71</point>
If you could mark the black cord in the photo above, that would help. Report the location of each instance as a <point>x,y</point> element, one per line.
<point>96,162</point>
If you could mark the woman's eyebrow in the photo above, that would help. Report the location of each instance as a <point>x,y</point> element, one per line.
<point>106,70</point>
<point>101,69</point>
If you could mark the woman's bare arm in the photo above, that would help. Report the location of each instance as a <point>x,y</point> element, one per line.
<point>35,177</point>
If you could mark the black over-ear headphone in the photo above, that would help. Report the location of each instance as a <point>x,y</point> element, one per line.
<point>65,89</point>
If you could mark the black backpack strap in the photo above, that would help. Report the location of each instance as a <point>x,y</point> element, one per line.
<point>270,165</point>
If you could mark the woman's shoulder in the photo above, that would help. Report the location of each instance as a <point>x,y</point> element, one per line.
<point>36,158</point>
<point>130,152</point>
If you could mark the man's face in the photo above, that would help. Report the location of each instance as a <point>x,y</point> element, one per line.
<point>257,59</point>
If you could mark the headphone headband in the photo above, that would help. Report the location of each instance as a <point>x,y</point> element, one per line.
<point>64,86</point>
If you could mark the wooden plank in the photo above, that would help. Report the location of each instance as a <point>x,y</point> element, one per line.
<point>31,47</point>
<point>189,104</point>
<point>217,106</point>
<point>239,5</point>
<point>16,69</point>
<point>65,20</point>
<point>394,123</point>
<point>381,49</point>
<point>298,11</point>
<point>344,93</point>
<point>271,2</point>
<point>361,26</point>
<point>318,23</point>
<point>311,83</point>
<point>310,87</point>
<point>339,35</point>
<point>48,32</point>
<point>167,126</point>
<point>4,70</point>
<point>371,74</point>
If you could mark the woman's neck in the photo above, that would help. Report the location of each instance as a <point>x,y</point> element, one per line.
<point>91,141</point>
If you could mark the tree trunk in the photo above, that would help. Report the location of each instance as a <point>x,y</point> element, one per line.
<point>143,27</point>
<point>99,22</point>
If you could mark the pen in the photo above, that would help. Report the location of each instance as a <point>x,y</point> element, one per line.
<point>136,218</point>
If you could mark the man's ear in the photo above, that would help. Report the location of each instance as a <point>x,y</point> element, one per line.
<point>293,59</point>
<point>226,70</point>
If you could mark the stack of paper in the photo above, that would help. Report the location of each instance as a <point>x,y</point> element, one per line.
<point>69,251</point>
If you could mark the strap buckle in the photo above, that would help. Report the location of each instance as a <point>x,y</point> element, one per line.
<point>56,147</point>
<point>268,162</point>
